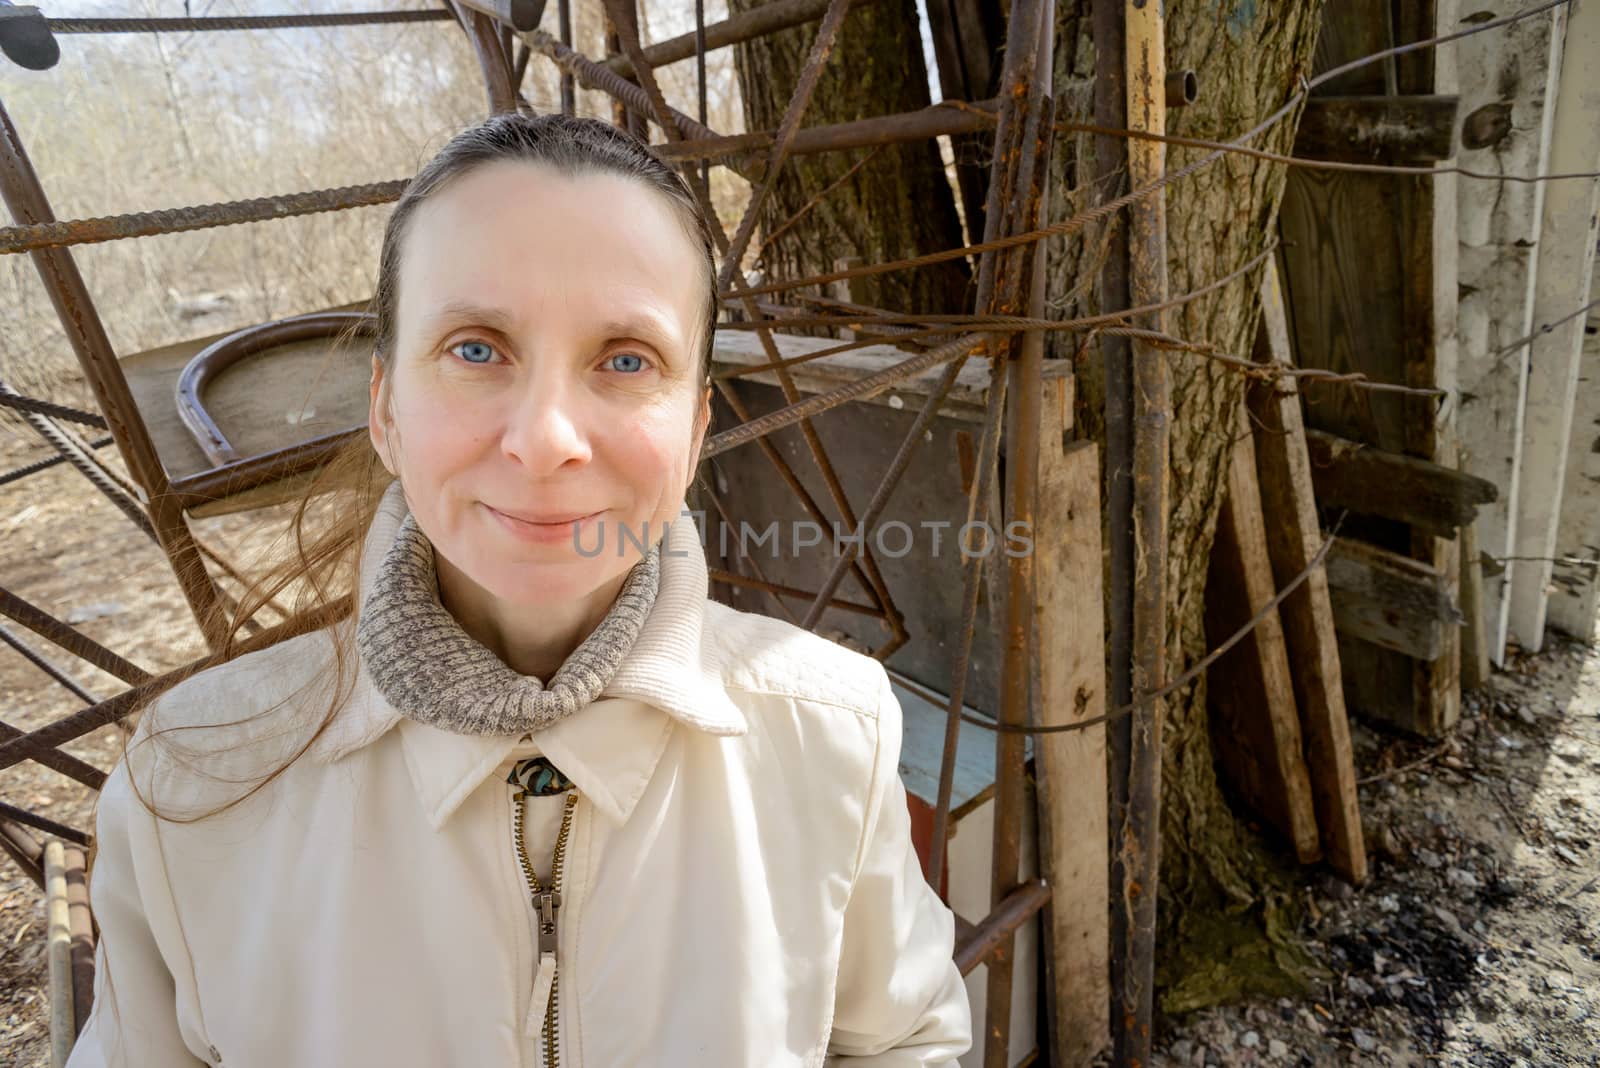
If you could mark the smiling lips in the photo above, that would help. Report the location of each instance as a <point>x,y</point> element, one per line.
<point>544,528</point>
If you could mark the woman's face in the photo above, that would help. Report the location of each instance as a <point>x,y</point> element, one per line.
<point>544,396</point>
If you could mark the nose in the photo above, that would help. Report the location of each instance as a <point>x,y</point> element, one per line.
<point>544,432</point>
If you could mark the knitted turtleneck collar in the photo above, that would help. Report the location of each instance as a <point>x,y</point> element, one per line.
<point>432,671</point>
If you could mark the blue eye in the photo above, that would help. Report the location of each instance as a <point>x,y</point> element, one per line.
<point>626,362</point>
<point>474,351</point>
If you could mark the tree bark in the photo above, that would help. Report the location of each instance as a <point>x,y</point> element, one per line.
<point>898,205</point>
<point>1226,922</point>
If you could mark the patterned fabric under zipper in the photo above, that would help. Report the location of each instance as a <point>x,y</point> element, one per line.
<point>539,777</point>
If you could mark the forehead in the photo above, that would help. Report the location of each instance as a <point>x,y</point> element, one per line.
<point>556,249</point>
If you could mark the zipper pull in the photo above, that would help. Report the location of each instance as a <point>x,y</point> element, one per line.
<point>543,980</point>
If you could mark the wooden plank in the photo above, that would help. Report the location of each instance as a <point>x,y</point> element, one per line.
<point>1390,600</point>
<point>1508,86</point>
<point>1283,467</point>
<point>1575,596</point>
<point>1432,297</point>
<point>1255,725</point>
<point>1564,273</point>
<point>1072,766</point>
<point>1407,130</point>
<point>1474,635</point>
<point>1430,497</point>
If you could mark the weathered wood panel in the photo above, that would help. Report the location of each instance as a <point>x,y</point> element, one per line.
<point>1408,130</point>
<point>1369,269</point>
<point>1508,93</point>
<point>1565,270</point>
<point>1390,600</point>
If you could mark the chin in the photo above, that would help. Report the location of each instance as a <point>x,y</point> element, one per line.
<point>547,583</point>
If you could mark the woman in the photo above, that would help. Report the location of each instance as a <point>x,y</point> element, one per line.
<point>388,843</point>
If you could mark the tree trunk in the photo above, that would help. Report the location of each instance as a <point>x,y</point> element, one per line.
<point>898,205</point>
<point>1226,920</point>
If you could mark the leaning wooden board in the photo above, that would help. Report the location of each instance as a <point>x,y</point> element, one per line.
<point>1294,536</point>
<point>1255,726</point>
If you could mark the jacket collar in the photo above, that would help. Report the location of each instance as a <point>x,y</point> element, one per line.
<point>609,749</point>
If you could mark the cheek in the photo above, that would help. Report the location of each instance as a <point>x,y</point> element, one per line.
<point>431,436</point>
<point>652,452</point>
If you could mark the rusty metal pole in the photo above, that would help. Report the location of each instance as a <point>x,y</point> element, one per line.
<point>1027,81</point>
<point>26,200</point>
<point>1139,845</point>
<point>1110,162</point>
<point>569,92</point>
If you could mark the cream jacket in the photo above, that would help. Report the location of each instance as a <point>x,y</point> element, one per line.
<point>739,887</point>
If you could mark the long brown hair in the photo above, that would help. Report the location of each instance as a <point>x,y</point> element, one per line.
<point>319,572</point>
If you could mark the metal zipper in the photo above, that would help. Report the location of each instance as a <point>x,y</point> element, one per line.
<point>546,903</point>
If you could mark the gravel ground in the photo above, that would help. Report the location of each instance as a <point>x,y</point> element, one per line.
<point>1476,942</point>
<point>1477,939</point>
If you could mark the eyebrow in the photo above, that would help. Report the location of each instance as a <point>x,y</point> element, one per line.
<point>642,324</point>
<point>465,311</point>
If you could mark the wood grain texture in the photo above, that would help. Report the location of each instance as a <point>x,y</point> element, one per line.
<point>1405,130</point>
<point>1283,468</point>
<point>1429,496</point>
<point>1370,271</point>
<point>1071,766</point>
<point>1390,600</point>
<point>1255,724</point>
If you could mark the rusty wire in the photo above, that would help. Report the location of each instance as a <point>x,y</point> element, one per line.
<point>43,823</point>
<point>1307,163</point>
<point>1111,207</point>
<point>243,22</point>
<point>22,403</point>
<point>60,233</point>
<point>18,473</point>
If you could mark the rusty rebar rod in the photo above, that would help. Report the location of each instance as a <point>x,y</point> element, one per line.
<point>17,474</point>
<point>919,125</point>
<point>42,823</point>
<point>73,641</point>
<point>735,29</point>
<point>77,770</point>
<point>862,388</point>
<point>243,22</point>
<point>1028,63</point>
<point>22,403</point>
<point>31,745</point>
<point>53,233</point>
<point>821,48</point>
<point>602,78</point>
<point>61,678</point>
<point>1020,906</point>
